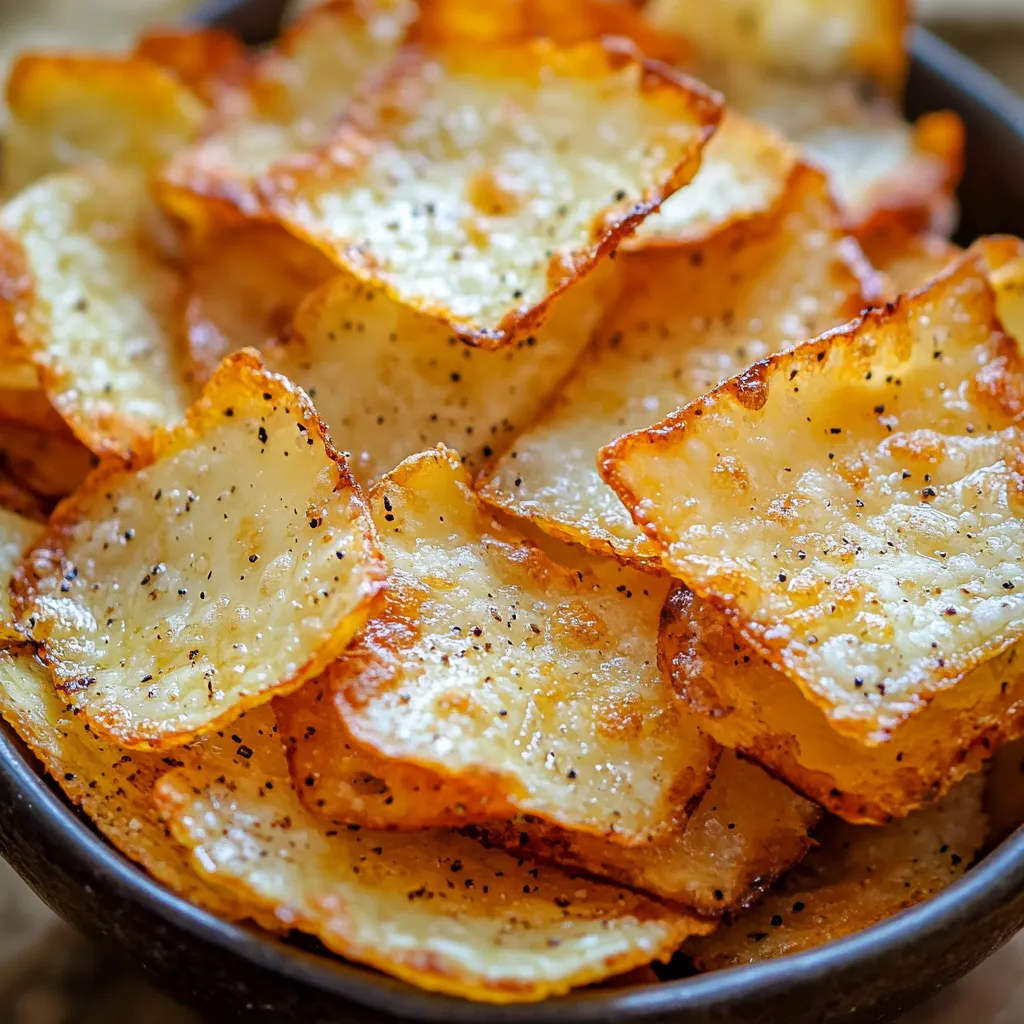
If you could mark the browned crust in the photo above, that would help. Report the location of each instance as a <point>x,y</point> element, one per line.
<point>751,390</point>
<point>355,137</point>
<point>47,557</point>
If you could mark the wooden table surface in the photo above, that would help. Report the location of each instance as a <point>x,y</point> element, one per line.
<point>50,975</point>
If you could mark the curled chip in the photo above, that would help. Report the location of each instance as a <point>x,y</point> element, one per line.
<point>396,382</point>
<point>432,907</point>
<point>687,318</point>
<point>477,183</point>
<point>114,788</point>
<point>744,172</point>
<point>751,706</point>
<point>51,465</point>
<point>16,534</point>
<point>747,830</point>
<point>96,305</point>
<point>854,506</point>
<point>808,37</point>
<point>243,289</point>
<point>908,259</point>
<point>229,561</point>
<point>882,169</point>
<point>209,62</point>
<point>67,110</point>
<point>857,877</point>
<point>283,106</point>
<point>532,686</point>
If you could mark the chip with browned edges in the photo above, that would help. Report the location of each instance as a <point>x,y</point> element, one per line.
<point>855,504</point>
<point>67,110</point>
<point>283,106</point>
<point>476,184</point>
<point>431,907</point>
<point>747,704</point>
<point>392,382</point>
<point>687,318</point>
<point>858,876</point>
<point>228,561</point>
<point>533,686</point>
<point>806,37</point>
<point>96,304</point>
<point>747,830</point>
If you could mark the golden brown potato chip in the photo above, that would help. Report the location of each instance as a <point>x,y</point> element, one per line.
<point>30,407</point>
<point>51,465</point>
<point>809,37</point>
<point>284,106</point>
<point>431,907</point>
<point>688,318</point>
<point>749,705</point>
<point>229,561</point>
<point>477,183</point>
<point>744,172</point>
<point>16,534</point>
<point>882,169</point>
<point>747,830</point>
<point>69,109</point>
<point>532,685</point>
<point>243,289</point>
<point>392,382</point>
<point>858,876</point>
<point>113,787</point>
<point>209,62</point>
<point>855,504</point>
<point>907,258</point>
<point>101,317</point>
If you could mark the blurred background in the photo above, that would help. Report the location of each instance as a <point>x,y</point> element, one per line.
<point>48,974</point>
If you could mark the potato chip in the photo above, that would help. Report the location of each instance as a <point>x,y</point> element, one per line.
<point>284,106</point>
<point>857,877</point>
<point>908,259</point>
<point>532,685</point>
<point>688,318</point>
<point>809,37</point>
<point>209,62</point>
<point>243,289</point>
<point>476,184</point>
<point>855,504</point>
<point>747,830</point>
<point>431,907</point>
<point>744,173</point>
<point>749,705</point>
<point>51,465</point>
<point>101,319</point>
<point>882,169</point>
<point>16,534</point>
<point>29,407</point>
<point>68,109</point>
<point>114,788</point>
<point>228,562</point>
<point>392,382</point>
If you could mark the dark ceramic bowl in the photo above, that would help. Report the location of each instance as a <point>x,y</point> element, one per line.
<point>227,971</point>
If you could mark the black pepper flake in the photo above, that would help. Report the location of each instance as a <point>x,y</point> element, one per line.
<point>262,435</point>
<point>254,558</point>
<point>245,752</point>
<point>798,906</point>
<point>776,920</point>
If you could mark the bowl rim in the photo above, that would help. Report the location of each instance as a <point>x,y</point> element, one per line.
<point>993,882</point>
